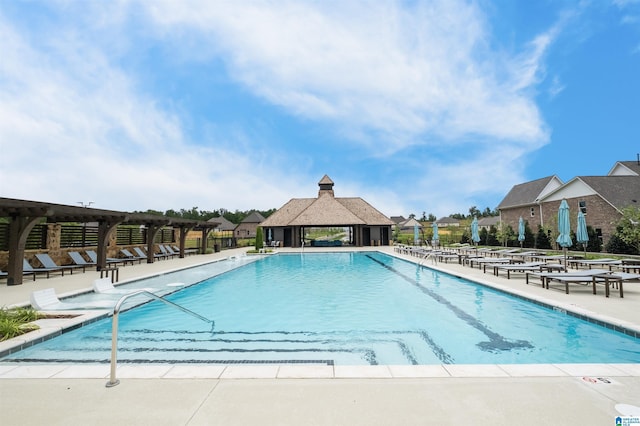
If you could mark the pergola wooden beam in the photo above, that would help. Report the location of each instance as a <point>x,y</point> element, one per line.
<point>24,215</point>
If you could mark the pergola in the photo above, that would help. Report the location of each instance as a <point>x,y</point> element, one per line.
<point>24,215</point>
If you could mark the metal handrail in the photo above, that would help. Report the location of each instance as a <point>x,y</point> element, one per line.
<point>114,327</point>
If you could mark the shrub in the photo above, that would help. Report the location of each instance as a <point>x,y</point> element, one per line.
<point>259,239</point>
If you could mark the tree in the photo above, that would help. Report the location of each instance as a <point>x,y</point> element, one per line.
<point>431,218</point>
<point>529,239</point>
<point>492,239</point>
<point>629,226</point>
<point>424,217</point>
<point>542,239</point>
<point>617,245</point>
<point>473,211</point>
<point>595,243</point>
<point>259,239</point>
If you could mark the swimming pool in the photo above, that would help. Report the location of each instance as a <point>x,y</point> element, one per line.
<point>358,308</point>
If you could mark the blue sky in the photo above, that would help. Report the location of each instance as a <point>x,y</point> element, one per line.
<point>416,106</point>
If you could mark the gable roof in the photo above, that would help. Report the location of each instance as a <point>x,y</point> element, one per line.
<point>489,221</point>
<point>398,219</point>
<point>529,192</point>
<point>619,191</point>
<point>224,224</point>
<point>410,223</point>
<point>625,168</point>
<point>254,217</point>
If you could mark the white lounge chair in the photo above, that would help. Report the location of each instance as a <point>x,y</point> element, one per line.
<point>46,300</point>
<point>104,286</point>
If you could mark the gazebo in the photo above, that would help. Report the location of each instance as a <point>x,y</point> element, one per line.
<point>367,226</point>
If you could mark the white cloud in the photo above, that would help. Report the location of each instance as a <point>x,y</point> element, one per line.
<point>388,76</point>
<point>74,128</point>
<point>373,66</point>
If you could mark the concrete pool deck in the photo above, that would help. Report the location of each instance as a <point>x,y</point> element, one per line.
<point>290,394</point>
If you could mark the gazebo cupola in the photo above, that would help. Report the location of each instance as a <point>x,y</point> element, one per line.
<point>326,186</point>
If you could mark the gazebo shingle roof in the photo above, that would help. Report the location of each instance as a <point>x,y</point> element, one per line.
<point>326,210</point>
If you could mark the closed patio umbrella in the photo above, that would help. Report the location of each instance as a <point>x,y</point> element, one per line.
<point>582,236</point>
<point>415,234</point>
<point>564,229</point>
<point>436,237</point>
<point>475,236</point>
<point>521,231</point>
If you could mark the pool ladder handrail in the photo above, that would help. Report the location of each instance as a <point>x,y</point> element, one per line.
<point>114,327</point>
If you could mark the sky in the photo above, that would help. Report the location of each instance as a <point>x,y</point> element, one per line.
<point>415,106</point>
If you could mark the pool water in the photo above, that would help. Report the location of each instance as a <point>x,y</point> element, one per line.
<point>357,308</point>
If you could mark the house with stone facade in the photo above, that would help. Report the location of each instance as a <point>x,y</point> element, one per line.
<point>247,228</point>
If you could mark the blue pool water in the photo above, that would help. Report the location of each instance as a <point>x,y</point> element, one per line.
<point>342,308</point>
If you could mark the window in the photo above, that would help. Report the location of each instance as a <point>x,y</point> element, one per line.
<point>533,211</point>
<point>583,206</point>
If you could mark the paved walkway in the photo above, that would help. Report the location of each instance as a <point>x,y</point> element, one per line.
<point>589,394</point>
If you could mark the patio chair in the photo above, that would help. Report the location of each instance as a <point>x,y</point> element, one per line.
<point>141,254</point>
<point>130,256</point>
<point>167,254</point>
<point>607,278</point>
<point>528,266</point>
<point>46,300</point>
<point>77,259</point>
<point>110,260</point>
<point>104,286</point>
<point>48,262</point>
<point>28,269</point>
<point>579,273</point>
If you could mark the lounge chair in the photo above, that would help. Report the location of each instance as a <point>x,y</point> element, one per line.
<point>630,265</point>
<point>166,252</point>
<point>579,273</point>
<point>110,260</point>
<point>144,255</point>
<point>171,251</point>
<point>46,300</point>
<point>104,286</point>
<point>597,262</point>
<point>606,278</point>
<point>486,260</point>
<point>48,262</point>
<point>130,256</point>
<point>28,269</point>
<point>187,251</point>
<point>77,259</point>
<point>141,254</point>
<point>4,274</point>
<point>524,267</point>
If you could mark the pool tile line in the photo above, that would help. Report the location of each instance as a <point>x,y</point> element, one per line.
<point>276,371</point>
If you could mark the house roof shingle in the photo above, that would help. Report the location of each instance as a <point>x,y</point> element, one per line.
<point>525,193</point>
<point>619,191</point>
